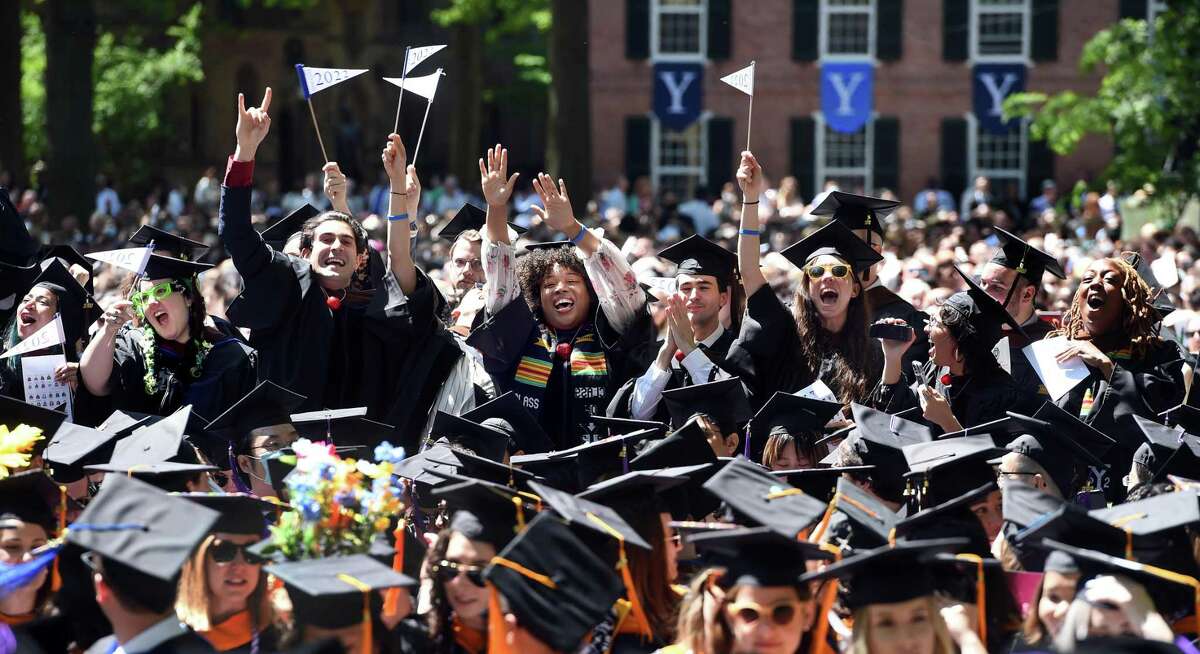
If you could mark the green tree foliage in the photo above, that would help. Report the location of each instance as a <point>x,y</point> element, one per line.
<point>513,29</point>
<point>1146,103</point>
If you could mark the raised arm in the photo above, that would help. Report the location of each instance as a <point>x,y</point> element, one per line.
<point>499,258</point>
<point>96,362</point>
<point>750,179</point>
<point>335,187</point>
<point>405,189</point>
<point>244,245</point>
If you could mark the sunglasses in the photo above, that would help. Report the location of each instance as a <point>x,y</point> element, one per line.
<point>160,291</point>
<point>837,270</point>
<point>223,551</point>
<point>781,615</point>
<point>447,571</point>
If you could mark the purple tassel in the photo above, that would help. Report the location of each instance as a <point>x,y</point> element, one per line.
<point>242,486</point>
<point>746,453</point>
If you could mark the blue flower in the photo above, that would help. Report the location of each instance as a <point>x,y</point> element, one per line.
<point>385,452</point>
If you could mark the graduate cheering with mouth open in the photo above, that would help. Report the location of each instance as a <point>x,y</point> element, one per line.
<point>318,336</point>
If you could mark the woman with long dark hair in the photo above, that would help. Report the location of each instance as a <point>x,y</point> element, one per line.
<point>175,357</point>
<point>824,336</point>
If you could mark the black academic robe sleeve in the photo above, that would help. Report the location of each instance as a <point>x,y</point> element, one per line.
<point>766,353</point>
<point>502,337</point>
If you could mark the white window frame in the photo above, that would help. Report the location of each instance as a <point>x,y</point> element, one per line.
<point>974,171</point>
<point>657,170</point>
<point>1026,33</point>
<point>657,9</point>
<point>823,32</point>
<point>823,173</point>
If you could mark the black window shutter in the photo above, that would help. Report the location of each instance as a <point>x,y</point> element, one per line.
<point>1039,167</point>
<point>720,27</point>
<point>637,147</point>
<point>803,146</point>
<point>887,154</point>
<point>889,18</point>
<point>1133,9</point>
<point>956,25</point>
<point>721,164</point>
<point>637,29</point>
<point>1044,31</point>
<point>806,18</point>
<point>954,155</point>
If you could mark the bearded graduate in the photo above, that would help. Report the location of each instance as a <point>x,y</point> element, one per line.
<point>561,330</point>
<point>317,334</point>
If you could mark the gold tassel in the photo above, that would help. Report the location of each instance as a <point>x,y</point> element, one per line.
<point>368,622</point>
<point>636,609</point>
<point>520,508</point>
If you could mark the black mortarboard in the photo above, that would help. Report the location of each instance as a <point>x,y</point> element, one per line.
<point>617,426</point>
<point>65,255</point>
<point>758,556</point>
<point>856,211</point>
<point>172,245</point>
<point>685,446</point>
<point>470,217</point>
<point>634,487</point>
<point>160,267</point>
<point>557,589</point>
<point>760,498</point>
<point>278,233</point>
<point>14,282</point>
<point>342,427</point>
<point>157,442</point>
<point>17,247</point>
<point>548,245</point>
<point>142,527</point>
<point>696,255</point>
<point>1070,523</point>
<point>241,513</point>
<point>123,423</point>
<point>1024,505</point>
<point>478,467</point>
<point>169,476</point>
<point>16,412</point>
<point>74,446</point>
<point>981,317</point>
<point>267,405</point>
<point>1093,563</point>
<point>30,496</point>
<point>1184,415</point>
<point>1054,449</point>
<point>75,304</point>
<point>888,574</point>
<point>871,522</point>
<point>336,592</point>
<point>950,467</point>
<point>1167,450</point>
<point>1154,515</point>
<point>1028,261</point>
<point>724,401</point>
<point>818,482</point>
<point>1090,438</point>
<point>421,466</point>
<point>483,440</point>
<point>834,239</point>
<point>878,439</point>
<point>952,518</point>
<point>604,458</point>
<point>1161,299</point>
<point>590,515</point>
<point>525,433</point>
<point>794,415</point>
<point>482,510</point>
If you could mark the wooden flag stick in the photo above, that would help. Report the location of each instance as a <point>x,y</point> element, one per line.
<point>422,133</point>
<point>750,114</point>
<point>320,141</point>
<point>403,76</point>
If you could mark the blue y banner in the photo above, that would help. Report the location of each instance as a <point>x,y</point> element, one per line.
<point>847,95</point>
<point>990,85</point>
<point>678,94</point>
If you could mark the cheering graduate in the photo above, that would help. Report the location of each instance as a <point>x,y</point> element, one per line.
<point>961,337</point>
<point>825,335</point>
<point>175,357</point>
<point>561,331</point>
<point>696,342</point>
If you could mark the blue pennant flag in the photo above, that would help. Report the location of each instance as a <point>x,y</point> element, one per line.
<point>991,84</point>
<point>678,94</point>
<point>847,95</point>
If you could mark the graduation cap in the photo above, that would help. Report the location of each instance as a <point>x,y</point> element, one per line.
<point>169,476</point>
<point>819,482</point>
<point>1028,261</point>
<point>1054,449</point>
<point>158,442</point>
<point>16,412</point>
<point>607,457</point>
<point>482,511</point>
<point>557,589</point>
<point>1161,299</point>
<point>590,515</point>
<point>74,446</point>
<point>481,439</point>
<point>871,522</point>
<point>142,527</point>
<point>65,255</point>
<point>1024,505</point>
<point>337,591</point>
<point>32,497</point>
<point>420,467</point>
<point>889,574</point>
<point>172,244</point>
<point>1092,439</point>
<point>341,426</point>
<point>470,217</point>
<point>761,498</point>
<point>17,247</point>
<point>160,267</point>
<point>878,439</point>
<point>267,405</point>
<point>278,233</point>
<point>1153,515</point>
<point>1184,415</point>
<point>950,519</point>
<point>1070,523</point>
<point>797,416</point>
<point>685,446</point>
<point>834,239</point>
<point>241,513</point>
<point>980,316</point>
<point>525,433</point>
<point>724,401</point>
<point>856,211</point>
<point>477,467</point>
<point>123,423</point>
<point>635,493</point>
<point>76,306</point>
<point>758,556</point>
<point>949,468</point>
<point>548,245</point>
<point>1167,450</point>
<point>618,426</point>
<point>696,255</point>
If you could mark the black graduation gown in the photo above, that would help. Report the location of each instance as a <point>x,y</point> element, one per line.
<point>883,303</point>
<point>620,406</point>
<point>975,398</point>
<point>186,643</point>
<point>390,354</point>
<point>1143,388</point>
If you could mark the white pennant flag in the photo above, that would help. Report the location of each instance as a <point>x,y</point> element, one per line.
<point>742,80</point>
<point>51,334</point>
<point>417,55</point>
<point>131,259</point>
<point>313,80</point>
<point>424,86</point>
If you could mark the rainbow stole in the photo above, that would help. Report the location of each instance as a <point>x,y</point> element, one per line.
<point>589,373</point>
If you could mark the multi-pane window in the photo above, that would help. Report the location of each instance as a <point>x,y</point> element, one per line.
<point>677,28</point>
<point>1000,157</point>
<point>845,157</point>
<point>847,28</point>
<point>1000,29</point>
<point>678,159</point>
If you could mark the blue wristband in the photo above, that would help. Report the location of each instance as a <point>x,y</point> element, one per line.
<point>399,216</point>
<point>579,237</point>
<point>749,232</point>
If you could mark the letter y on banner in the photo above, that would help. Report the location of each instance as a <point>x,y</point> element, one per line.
<point>847,95</point>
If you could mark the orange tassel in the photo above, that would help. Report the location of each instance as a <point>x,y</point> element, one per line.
<point>55,576</point>
<point>497,636</point>
<point>828,595</point>
<point>824,524</point>
<point>391,597</point>
<point>980,593</point>
<point>636,610</point>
